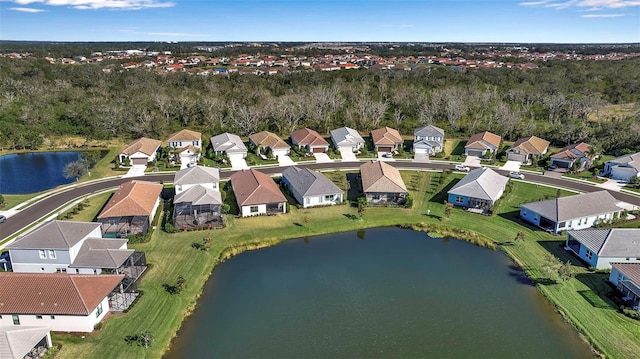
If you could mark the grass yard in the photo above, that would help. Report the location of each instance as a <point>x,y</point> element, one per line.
<point>104,168</point>
<point>91,207</point>
<point>581,299</point>
<point>12,200</point>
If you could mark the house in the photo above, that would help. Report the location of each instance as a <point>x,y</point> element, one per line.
<point>626,278</point>
<point>347,139</point>
<point>256,193</point>
<point>62,302</point>
<point>428,140</point>
<point>480,143</point>
<point>479,189</point>
<point>270,142</point>
<point>601,247</point>
<point>623,168</point>
<point>382,184</point>
<point>185,138</point>
<point>311,188</point>
<point>571,154</point>
<point>310,140</point>
<point>573,212</point>
<point>229,145</point>
<point>24,342</point>
<point>74,247</point>
<point>131,209</point>
<point>386,139</point>
<point>197,201</point>
<point>140,151</point>
<point>526,149</point>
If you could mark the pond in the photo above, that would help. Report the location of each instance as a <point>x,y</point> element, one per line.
<point>379,293</point>
<point>24,173</point>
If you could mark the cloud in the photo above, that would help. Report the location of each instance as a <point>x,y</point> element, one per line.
<point>592,4</point>
<point>26,9</point>
<point>101,4</point>
<point>534,3</point>
<point>602,15</point>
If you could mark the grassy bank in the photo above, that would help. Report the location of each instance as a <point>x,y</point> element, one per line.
<point>171,255</point>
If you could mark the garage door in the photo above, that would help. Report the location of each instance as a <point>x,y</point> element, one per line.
<point>516,157</point>
<point>318,150</point>
<point>236,156</point>
<point>384,149</point>
<point>476,153</point>
<point>138,161</point>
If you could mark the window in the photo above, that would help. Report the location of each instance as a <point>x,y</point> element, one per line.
<point>38,317</point>
<point>375,196</point>
<point>43,254</point>
<point>99,310</point>
<point>179,187</point>
<point>329,197</point>
<point>589,254</point>
<point>52,317</point>
<point>52,254</point>
<point>253,209</point>
<point>16,319</point>
<point>307,201</point>
<point>459,199</point>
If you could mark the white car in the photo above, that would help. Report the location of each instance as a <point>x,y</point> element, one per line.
<point>461,168</point>
<point>517,175</point>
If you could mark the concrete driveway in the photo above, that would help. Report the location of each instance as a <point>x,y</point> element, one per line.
<point>185,160</point>
<point>347,154</point>
<point>383,157</point>
<point>238,163</point>
<point>322,157</point>
<point>612,185</point>
<point>421,157</point>
<point>136,170</point>
<point>472,161</point>
<point>285,160</point>
<point>512,166</point>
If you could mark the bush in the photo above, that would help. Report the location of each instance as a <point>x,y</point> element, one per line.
<point>169,228</point>
<point>141,339</point>
<point>630,313</point>
<point>408,202</point>
<point>98,326</point>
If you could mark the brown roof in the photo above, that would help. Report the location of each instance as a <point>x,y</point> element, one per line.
<point>54,293</point>
<point>268,139</point>
<point>630,270</point>
<point>572,151</point>
<point>531,145</point>
<point>308,137</point>
<point>252,187</point>
<point>135,198</point>
<point>186,135</point>
<point>381,177</point>
<point>145,145</point>
<point>386,136</point>
<point>479,140</point>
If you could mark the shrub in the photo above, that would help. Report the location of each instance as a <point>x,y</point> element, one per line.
<point>98,326</point>
<point>141,339</point>
<point>408,202</point>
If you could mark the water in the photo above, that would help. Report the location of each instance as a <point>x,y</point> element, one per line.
<point>34,172</point>
<point>379,293</point>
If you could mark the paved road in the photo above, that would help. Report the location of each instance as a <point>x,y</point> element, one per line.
<point>51,203</point>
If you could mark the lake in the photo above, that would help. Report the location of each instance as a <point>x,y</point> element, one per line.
<point>24,173</point>
<point>379,293</point>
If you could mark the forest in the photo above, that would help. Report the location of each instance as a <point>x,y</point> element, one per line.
<point>561,101</point>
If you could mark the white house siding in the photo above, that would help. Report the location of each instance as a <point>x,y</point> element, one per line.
<point>605,263</point>
<point>585,222</point>
<point>320,201</point>
<point>246,210</point>
<point>153,211</point>
<point>61,323</point>
<point>180,144</point>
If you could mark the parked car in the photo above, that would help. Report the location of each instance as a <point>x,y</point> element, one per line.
<point>2,218</point>
<point>461,168</point>
<point>517,175</point>
<point>552,167</point>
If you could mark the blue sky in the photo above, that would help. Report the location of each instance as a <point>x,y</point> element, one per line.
<point>557,21</point>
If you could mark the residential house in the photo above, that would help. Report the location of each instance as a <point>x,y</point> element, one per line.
<point>270,142</point>
<point>131,209</point>
<point>140,151</point>
<point>428,140</point>
<point>74,247</point>
<point>571,154</point>
<point>382,184</point>
<point>62,302</point>
<point>229,145</point>
<point>311,188</point>
<point>386,140</point>
<point>310,140</point>
<point>24,342</point>
<point>623,168</point>
<point>526,149</point>
<point>601,247</point>
<point>626,278</point>
<point>479,189</point>
<point>347,139</point>
<point>188,145</point>
<point>573,212</point>
<point>480,143</point>
<point>256,193</point>
<point>197,201</point>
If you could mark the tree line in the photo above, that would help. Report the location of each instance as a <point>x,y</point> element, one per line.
<point>562,102</point>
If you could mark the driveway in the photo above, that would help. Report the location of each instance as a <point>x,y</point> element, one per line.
<point>472,161</point>
<point>285,160</point>
<point>383,157</point>
<point>136,170</point>
<point>238,163</point>
<point>185,160</point>
<point>322,157</point>
<point>421,157</point>
<point>612,185</point>
<point>347,154</point>
<point>512,166</point>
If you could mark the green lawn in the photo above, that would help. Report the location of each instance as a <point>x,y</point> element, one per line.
<point>91,208</point>
<point>12,200</point>
<point>171,255</point>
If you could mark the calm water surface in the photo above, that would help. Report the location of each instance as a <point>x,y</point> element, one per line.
<point>34,172</point>
<point>383,293</point>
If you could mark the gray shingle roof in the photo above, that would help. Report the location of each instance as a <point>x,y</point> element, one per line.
<point>55,235</point>
<point>345,136</point>
<point>632,160</point>
<point>481,183</point>
<point>16,342</point>
<point>199,195</point>
<point>615,242</point>
<point>429,131</point>
<point>573,207</point>
<point>101,253</point>
<point>228,143</point>
<point>197,175</point>
<point>308,182</point>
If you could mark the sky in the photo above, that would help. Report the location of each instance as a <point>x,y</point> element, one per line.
<point>519,21</point>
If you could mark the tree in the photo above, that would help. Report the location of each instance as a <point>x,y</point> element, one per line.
<point>362,205</point>
<point>564,271</point>
<point>519,236</point>
<point>75,169</point>
<point>448,209</point>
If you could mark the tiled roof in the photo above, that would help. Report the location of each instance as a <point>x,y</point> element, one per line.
<point>308,137</point>
<point>381,177</point>
<point>346,136</point>
<point>268,139</point>
<point>228,143</point>
<point>197,175</point>
<point>429,131</point>
<point>615,242</point>
<point>185,135</point>
<point>199,195</point>
<point>480,140</point>
<point>483,183</point>
<point>135,198</point>
<point>252,187</point>
<point>144,145</point>
<point>55,293</point>
<point>17,342</point>
<point>574,207</point>
<point>531,145</point>
<point>102,253</point>
<point>629,270</point>
<point>386,136</point>
<point>572,152</point>
<point>308,182</point>
<point>55,235</point>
